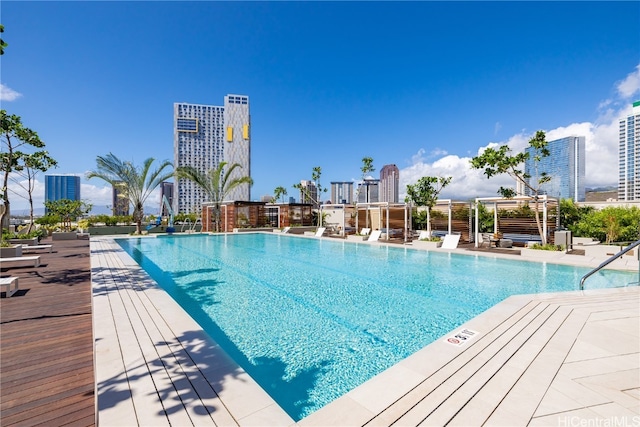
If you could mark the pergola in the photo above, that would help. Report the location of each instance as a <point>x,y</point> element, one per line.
<point>386,212</point>
<point>544,202</point>
<point>448,205</point>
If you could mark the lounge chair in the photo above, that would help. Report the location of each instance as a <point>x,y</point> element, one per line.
<point>365,231</point>
<point>12,261</point>
<point>286,229</point>
<point>450,241</point>
<point>320,231</point>
<point>485,238</point>
<point>7,282</point>
<point>424,235</point>
<point>375,235</point>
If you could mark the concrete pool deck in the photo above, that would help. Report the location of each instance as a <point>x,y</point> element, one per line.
<point>546,359</point>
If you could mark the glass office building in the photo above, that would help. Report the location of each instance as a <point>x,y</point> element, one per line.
<point>342,192</point>
<point>565,166</point>
<point>58,187</point>
<point>629,156</point>
<point>369,191</point>
<point>203,137</point>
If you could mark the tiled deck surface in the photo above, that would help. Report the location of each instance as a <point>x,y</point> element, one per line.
<point>549,359</point>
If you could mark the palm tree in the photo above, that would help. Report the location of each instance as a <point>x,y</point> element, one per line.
<point>216,183</point>
<point>137,183</point>
<point>279,192</point>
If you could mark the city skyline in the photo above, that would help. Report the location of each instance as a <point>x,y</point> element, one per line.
<point>420,94</point>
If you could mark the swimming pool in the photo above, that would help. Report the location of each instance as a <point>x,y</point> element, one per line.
<point>310,319</point>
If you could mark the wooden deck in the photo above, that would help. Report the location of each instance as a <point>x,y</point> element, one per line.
<point>46,351</point>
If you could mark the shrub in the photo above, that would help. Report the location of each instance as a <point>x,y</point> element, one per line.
<point>547,247</point>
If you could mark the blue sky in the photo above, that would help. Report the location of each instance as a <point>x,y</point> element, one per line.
<point>423,85</point>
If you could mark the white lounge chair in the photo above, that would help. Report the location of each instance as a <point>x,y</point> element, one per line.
<point>365,231</point>
<point>12,261</point>
<point>7,282</point>
<point>424,235</point>
<point>450,241</point>
<point>286,229</point>
<point>320,231</point>
<point>375,235</point>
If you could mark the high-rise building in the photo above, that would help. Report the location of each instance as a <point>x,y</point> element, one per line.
<point>58,187</point>
<point>565,166</point>
<point>166,191</point>
<point>389,183</point>
<point>119,203</point>
<point>368,191</point>
<point>629,156</point>
<point>309,192</point>
<point>342,192</point>
<point>203,137</point>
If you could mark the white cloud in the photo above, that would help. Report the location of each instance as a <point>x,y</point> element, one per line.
<point>601,146</point>
<point>630,85</point>
<point>8,94</point>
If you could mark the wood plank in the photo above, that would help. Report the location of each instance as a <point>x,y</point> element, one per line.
<point>46,357</point>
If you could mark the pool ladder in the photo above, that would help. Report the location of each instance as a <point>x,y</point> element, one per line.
<point>191,227</point>
<point>609,261</point>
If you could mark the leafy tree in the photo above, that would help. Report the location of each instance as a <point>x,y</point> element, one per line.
<point>137,183</point>
<point>367,167</point>
<point>39,161</point>
<point>279,192</point>
<point>496,162</point>
<point>610,224</point>
<point>67,211</point>
<point>425,193</point>
<point>485,219</point>
<point>3,44</point>
<point>216,183</point>
<point>16,140</point>
<point>315,177</point>
<point>571,214</point>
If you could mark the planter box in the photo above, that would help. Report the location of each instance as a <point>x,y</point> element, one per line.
<point>11,251</point>
<point>112,229</point>
<point>30,242</point>
<point>539,253</point>
<point>65,235</point>
<point>425,244</point>
<point>357,238</point>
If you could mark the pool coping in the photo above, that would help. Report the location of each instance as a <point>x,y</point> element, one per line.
<point>131,357</point>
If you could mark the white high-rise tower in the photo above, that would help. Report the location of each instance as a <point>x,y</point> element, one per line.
<point>629,156</point>
<point>203,137</point>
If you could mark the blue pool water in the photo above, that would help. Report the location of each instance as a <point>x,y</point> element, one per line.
<point>311,319</point>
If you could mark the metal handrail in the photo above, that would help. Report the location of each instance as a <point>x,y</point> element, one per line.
<point>607,262</point>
